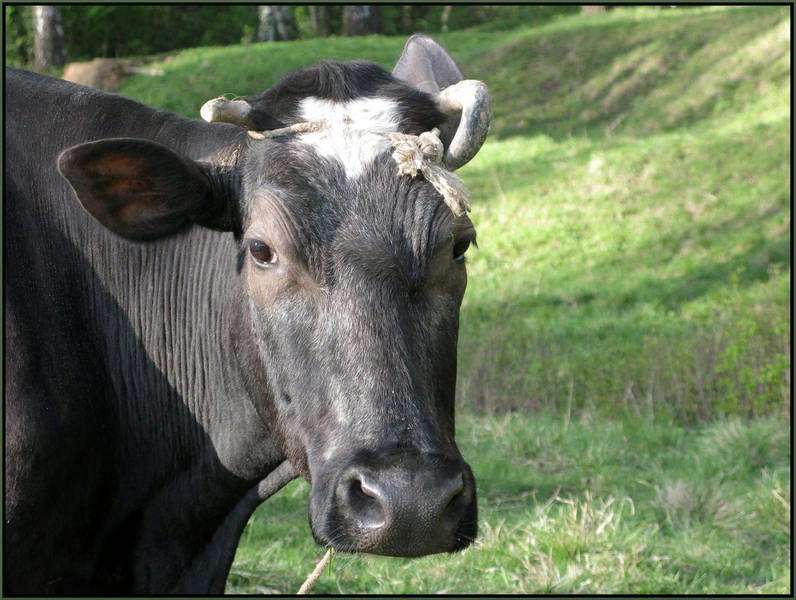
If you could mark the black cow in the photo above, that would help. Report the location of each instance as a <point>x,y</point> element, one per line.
<point>230,310</point>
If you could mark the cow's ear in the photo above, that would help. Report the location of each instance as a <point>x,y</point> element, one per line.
<point>425,65</point>
<point>143,190</point>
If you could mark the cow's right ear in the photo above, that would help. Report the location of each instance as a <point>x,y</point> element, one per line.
<point>143,190</point>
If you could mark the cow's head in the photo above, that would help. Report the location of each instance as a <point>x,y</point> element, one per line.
<point>352,237</point>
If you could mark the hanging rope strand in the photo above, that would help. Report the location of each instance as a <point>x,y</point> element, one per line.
<point>316,573</point>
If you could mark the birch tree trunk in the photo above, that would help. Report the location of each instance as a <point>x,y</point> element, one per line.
<point>276,23</point>
<point>321,21</point>
<point>48,41</point>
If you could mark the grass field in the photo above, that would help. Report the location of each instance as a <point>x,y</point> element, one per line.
<point>574,507</point>
<point>625,349</point>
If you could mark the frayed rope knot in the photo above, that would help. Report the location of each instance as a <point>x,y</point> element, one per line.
<point>423,153</point>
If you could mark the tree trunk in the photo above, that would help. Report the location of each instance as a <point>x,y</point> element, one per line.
<point>276,23</point>
<point>406,19</point>
<point>361,19</point>
<point>592,9</point>
<point>48,42</point>
<point>446,16</point>
<point>321,21</point>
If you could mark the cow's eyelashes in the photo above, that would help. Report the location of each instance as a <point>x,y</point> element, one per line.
<point>262,254</point>
<point>460,248</point>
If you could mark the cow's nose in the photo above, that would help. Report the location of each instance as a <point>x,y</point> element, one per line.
<point>374,502</point>
<point>404,510</point>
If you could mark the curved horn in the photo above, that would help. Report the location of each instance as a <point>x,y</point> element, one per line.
<point>221,110</point>
<point>472,99</point>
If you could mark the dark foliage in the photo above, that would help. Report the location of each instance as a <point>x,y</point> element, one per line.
<point>124,30</point>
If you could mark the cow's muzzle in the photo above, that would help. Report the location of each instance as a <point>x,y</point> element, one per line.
<point>396,503</point>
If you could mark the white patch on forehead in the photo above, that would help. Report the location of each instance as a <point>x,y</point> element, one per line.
<point>354,132</point>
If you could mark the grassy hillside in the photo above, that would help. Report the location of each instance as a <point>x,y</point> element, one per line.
<point>632,205</point>
<point>635,228</point>
<point>633,213</point>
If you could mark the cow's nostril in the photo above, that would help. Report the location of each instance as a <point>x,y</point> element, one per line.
<point>367,503</point>
<point>453,501</point>
<point>451,490</point>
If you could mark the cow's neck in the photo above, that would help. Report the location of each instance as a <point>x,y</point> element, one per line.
<point>169,304</point>
<point>191,435</point>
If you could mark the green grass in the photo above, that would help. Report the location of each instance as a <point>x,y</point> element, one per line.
<point>624,359</point>
<point>575,507</point>
<point>635,217</point>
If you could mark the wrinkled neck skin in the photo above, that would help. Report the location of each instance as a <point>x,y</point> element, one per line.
<point>168,300</point>
<point>180,297</point>
<point>193,437</point>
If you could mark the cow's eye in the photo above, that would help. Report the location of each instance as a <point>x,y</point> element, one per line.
<point>262,254</point>
<point>459,248</point>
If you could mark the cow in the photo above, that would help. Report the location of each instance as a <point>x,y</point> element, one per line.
<point>198,312</point>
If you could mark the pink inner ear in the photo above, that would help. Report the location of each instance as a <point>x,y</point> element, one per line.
<point>140,189</point>
<point>117,165</point>
<point>141,209</point>
<point>124,187</point>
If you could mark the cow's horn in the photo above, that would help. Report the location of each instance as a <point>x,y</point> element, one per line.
<point>470,98</point>
<point>222,110</point>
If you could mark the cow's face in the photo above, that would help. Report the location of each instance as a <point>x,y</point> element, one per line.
<point>354,288</point>
<point>351,277</point>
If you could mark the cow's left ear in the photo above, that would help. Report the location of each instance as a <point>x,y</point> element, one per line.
<point>143,190</point>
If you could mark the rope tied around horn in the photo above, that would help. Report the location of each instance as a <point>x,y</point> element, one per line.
<point>424,153</point>
<point>303,127</point>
